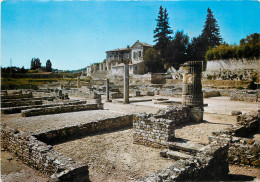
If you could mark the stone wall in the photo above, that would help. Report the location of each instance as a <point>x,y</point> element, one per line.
<point>41,156</point>
<point>16,96</point>
<point>248,96</point>
<point>153,132</point>
<point>243,151</point>
<point>209,164</point>
<point>233,64</point>
<point>17,102</point>
<point>58,109</point>
<point>68,133</point>
<point>156,130</point>
<point>12,110</point>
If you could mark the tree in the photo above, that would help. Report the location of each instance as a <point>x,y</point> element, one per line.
<point>48,66</point>
<point>162,32</point>
<point>251,40</point>
<point>35,63</point>
<point>209,38</point>
<point>153,61</point>
<point>177,50</point>
<point>210,33</point>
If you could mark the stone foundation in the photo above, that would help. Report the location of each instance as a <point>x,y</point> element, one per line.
<point>157,130</point>
<point>207,165</point>
<point>68,133</point>
<point>243,151</point>
<point>248,96</point>
<point>12,110</point>
<point>41,156</point>
<point>58,109</point>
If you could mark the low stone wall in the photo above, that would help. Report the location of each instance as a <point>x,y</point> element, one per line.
<point>58,109</point>
<point>243,151</point>
<point>248,96</point>
<point>116,95</point>
<point>28,99</point>
<point>40,156</point>
<point>17,96</point>
<point>21,103</point>
<point>68,133</point>
<point>156,130</point>
<point>210,93</point>
<point>158,78</point>
<point>153,132</point>
<point>209,164</point>
<point>12,110</point>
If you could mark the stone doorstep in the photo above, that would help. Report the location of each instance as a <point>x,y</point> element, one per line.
<point>188,147</point>
<point>177,155</point>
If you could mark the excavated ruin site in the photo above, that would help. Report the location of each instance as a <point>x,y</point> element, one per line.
<point>131,128</point>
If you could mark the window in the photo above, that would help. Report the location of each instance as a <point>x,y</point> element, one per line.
<point>139,54</point>
<point>130,56</point>
<point>134,55</point>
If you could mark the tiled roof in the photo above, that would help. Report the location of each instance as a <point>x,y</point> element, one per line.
<point>120,49</point>
<point>145,44</point>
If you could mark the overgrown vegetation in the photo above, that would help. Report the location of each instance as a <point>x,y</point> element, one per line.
<point>248,48</point>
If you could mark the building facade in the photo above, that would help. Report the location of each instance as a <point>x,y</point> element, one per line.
<point>116,58</point>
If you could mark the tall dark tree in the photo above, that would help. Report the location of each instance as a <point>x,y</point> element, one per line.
<point>35,63</point>
<point>162,32</point>
<point>177,51</point>
<point>48,66</point>
<point>210,33</point>
<point>209,38</point>
<point>32,64</point>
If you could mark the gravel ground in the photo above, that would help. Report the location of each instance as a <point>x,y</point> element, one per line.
<point>13,170</point>
<point>114,157</point>
<point>243,173</point>
<point>37,124</point>
<point>199,133</point>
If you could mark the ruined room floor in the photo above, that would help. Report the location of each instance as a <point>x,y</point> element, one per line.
<point>114,157</point>
<point>13,170</point>
<point>36,124</point>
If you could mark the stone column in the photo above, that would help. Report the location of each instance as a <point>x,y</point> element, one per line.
<point>100,66</point>
<point>126,83</point>
<point>78,82</point>
<point>192,94</point>
<point>107,90</point>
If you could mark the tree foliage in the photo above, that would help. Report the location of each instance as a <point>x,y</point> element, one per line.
<point>13,69</point>
<point>210,33</point>
<point>48,66</point>
<point>248,48</point>
<point>35,63</point>
<point>209,38</point>
<point>153,60</point>
<point>177,50</point>
<point>162,32</point>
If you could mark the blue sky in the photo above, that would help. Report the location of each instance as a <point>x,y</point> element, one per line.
<point>74,34</point>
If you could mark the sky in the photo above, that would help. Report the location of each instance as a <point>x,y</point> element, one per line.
<point>75,34</point>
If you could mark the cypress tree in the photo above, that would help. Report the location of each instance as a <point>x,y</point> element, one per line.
<point>210,33</point>
<point>162,32</point>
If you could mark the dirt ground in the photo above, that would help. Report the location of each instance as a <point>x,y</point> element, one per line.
<point>200,132</point>
<point>114,157</point>
<point>13,170</point>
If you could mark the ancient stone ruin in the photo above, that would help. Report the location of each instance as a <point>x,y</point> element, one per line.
<point>133,128</point>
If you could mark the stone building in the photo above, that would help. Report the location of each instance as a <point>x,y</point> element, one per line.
<point>133,55</point>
